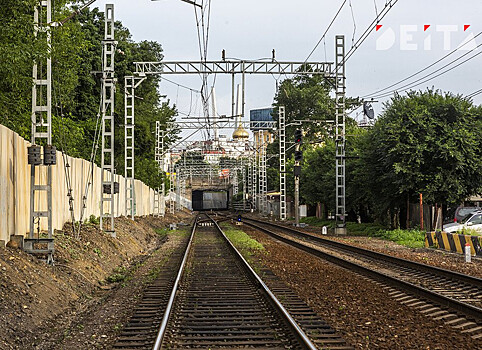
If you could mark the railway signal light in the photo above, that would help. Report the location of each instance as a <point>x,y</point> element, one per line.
<point>298,136</point>
<point>298,156</point>
<point>297,170</point>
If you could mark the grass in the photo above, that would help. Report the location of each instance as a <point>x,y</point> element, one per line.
<point>162,232</point>
<point>240,239</point>
<point>468,232</point>
<point>408,238</point>
<point>119,275</point>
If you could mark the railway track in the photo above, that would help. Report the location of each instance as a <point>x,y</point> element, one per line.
<point>216,300</point>
<point>453,298</point>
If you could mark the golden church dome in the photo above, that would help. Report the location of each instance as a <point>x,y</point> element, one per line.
<point>240,133</point>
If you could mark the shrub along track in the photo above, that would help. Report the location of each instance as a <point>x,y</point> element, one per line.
<point>218,302</point>
<point>460,293</point>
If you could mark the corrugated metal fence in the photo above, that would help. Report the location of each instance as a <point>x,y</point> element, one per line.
<point>15,189</point>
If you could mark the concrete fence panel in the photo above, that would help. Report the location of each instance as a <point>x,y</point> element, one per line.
<point>15,189</point>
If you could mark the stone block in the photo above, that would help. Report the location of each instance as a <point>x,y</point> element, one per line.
<point>16,241</point>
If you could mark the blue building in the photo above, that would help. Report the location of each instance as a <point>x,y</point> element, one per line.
<point>258,116</point>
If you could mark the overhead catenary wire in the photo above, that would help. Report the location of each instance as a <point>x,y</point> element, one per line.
<point>326,31</point>
<point>475,93</point>
<point>423,69</point>
<point>421,81</point>
<point>181,85</point>
<point>388,6</point>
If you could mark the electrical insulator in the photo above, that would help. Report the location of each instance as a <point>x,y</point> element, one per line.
<point>34,155</point>
<point>50,155</point>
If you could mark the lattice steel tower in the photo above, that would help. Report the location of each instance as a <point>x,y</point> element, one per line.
<point>340,134</point>
<point>41,193</point>
<point>109,187</point>
<point>282,162</point>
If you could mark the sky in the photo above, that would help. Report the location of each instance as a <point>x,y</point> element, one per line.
<point>251,29</point>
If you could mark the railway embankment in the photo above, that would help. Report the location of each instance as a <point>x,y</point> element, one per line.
<point>84,298</point>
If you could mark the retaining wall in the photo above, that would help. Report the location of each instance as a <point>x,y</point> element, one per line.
<point>454,242</point>
<point>15,189</point>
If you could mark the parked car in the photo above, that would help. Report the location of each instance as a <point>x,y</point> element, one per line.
<point>473,221</point>
<point>462,212</point>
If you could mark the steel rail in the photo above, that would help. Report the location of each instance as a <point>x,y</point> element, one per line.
<point>391,259</point>
<point>468,310</point>
<point>170,304</point>
<point>301,335</point>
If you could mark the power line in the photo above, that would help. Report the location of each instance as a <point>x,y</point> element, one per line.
<point>475,93</point>
<point>326,31</point>
<point>388,6</point>
<point>180,85</point>
<point>422,70</point>
<point>421,80</point>
<point>436,76</point>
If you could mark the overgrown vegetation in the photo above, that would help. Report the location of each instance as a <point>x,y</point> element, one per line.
<point>247,245</point>
<point>77,53</point>
<point>408,238</point>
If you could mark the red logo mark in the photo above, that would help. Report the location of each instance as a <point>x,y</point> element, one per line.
<point>378,27</point>
<point>425,27</point>
<point>466,26</point>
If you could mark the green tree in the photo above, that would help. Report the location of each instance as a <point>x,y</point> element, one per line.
<point>426,142</point>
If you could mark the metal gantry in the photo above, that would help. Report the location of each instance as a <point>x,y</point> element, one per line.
<point>108,92</point>
<point>340,134</point>
<point>233,67</point>
<point>282,162</point>
<point>41,135</point>
<point>243,67</point>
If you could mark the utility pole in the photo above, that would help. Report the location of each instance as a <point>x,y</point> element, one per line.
<point>41,135</point>
<point>171,186</point>
<point>340,134</point>
<point>282,162</point>
<point>130,85</point>
<point>109,186</point>
<point>243,169</point>
<point>158,193</point>
<point>297,173</point>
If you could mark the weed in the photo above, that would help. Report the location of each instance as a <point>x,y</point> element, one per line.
<point>97,251</point>
<point>162,232</point>
<point>116,277</point>
<point>469,232</point>
<point>94,220</point>
<point>409,238</point>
